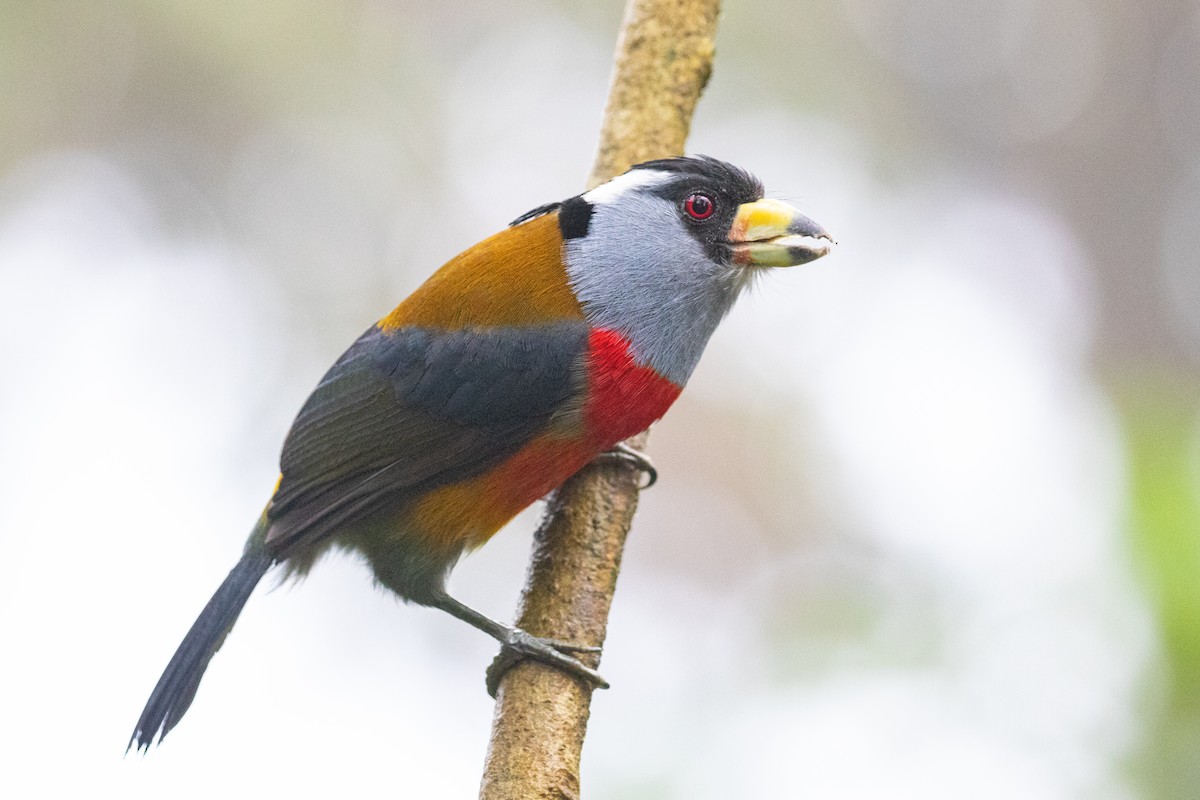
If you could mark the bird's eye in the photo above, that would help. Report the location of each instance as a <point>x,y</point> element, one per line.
<point>699,206</point>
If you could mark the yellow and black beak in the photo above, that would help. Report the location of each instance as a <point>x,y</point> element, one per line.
<point>770,233</point>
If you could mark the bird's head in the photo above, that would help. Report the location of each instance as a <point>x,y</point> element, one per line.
<point>661,252</point>
<point>722,207</point>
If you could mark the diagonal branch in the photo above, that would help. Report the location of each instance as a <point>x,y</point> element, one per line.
<point>663,61</point>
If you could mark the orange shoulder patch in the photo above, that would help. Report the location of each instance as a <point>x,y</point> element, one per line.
<point>515,277</point>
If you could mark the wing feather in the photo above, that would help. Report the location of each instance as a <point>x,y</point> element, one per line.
<point>411,409</point>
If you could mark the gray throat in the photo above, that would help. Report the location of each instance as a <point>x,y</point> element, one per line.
<point>657,287</point>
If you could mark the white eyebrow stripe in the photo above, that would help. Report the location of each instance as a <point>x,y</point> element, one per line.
<point>636,179</point>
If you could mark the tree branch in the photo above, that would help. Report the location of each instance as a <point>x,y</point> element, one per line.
<point>663,61</point>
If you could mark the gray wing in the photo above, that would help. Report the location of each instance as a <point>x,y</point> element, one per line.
<point>406,411</point>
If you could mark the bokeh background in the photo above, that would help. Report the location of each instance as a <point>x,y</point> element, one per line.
<point>928,518</point>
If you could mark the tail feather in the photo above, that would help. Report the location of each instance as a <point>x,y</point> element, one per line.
<point>175,689</point>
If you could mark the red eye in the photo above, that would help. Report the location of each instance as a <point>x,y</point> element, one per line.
<point>699,206</point>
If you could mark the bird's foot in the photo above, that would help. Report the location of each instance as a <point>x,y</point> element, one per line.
<point>519,645</point>
<point>624,454</point>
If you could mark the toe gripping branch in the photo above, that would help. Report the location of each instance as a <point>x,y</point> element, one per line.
<point>518,645</point>
<point>552,652</point>
<point>624,454</point>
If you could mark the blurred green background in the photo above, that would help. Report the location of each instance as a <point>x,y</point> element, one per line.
<point>929,511</point>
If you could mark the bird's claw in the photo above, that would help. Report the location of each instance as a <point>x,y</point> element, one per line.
<point>521,645</point>
<point>569,647</point>
<point>624,454</point>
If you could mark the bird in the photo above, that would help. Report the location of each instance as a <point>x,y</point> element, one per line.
<point>514,365</point>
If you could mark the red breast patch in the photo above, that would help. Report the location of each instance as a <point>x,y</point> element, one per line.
<point>625,396</point>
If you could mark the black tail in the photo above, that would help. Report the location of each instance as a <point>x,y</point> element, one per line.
<point>179,681</point>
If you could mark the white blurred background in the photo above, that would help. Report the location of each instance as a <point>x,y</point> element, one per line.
<point>927,523</point>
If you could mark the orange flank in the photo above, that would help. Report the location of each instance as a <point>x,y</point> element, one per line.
<point>475,509</point>
<point>513,278</point>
